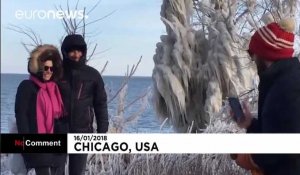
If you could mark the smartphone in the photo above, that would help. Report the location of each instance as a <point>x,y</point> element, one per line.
<point>236,108</point>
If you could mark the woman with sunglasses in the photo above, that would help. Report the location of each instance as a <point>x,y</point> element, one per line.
<point>39,105</point>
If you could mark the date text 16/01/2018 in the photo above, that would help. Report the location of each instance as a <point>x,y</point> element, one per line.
<point>115,146</point>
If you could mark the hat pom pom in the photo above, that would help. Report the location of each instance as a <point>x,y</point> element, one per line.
<point>287,24</point>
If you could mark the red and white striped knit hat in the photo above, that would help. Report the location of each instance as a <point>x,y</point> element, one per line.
<point>274,41</point>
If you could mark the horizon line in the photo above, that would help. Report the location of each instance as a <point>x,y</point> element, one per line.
<point>142,76</point>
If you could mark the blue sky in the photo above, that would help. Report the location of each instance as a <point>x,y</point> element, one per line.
<point>131,31</point>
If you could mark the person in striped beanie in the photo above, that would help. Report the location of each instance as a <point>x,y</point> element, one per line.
<point>272,49</point>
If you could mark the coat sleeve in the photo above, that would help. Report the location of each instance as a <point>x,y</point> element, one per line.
<point>100,105</point>
<point>23,99</point>
<point>280,114</point>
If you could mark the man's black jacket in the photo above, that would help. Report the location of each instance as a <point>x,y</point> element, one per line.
<point>82,90</point>
<point>279,112</point>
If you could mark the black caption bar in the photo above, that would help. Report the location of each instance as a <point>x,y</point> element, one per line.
<point>33,143</point>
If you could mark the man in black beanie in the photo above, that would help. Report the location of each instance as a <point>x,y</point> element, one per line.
<point>83,94</point>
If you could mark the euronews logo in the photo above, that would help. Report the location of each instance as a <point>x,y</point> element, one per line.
<point>50,14</point>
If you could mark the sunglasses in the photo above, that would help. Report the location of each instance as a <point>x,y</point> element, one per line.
<point>46,68</point>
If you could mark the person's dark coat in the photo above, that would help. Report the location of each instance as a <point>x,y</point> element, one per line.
<point>25,112</point>
<point>82,90</point>
<point>279,112</point>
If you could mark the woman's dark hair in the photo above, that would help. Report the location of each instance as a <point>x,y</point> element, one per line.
<point>57,63</point>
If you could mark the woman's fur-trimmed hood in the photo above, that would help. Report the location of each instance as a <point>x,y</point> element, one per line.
<point>42,53</point>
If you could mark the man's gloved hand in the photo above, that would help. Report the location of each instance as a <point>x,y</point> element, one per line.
<point>245,161</point>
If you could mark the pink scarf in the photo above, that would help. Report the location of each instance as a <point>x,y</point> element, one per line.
<point>49,105</point>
